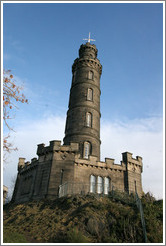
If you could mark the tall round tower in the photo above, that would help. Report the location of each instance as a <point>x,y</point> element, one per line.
<point>83,115</point>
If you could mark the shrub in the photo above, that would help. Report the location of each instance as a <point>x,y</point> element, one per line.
<point>75,236</point>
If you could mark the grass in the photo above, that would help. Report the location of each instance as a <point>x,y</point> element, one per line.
<point>83,219</point>
<point>13,237</point>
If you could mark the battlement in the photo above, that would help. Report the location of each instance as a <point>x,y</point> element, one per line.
<point>22,165</point>
<point>109,163</point>
<point>92,161</point>
<point>87,48</point>
<point>55,145</point>
<point>127,158</point>
<point>42,150</point>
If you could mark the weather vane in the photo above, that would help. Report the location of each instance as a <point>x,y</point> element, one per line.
<point>89,39</point>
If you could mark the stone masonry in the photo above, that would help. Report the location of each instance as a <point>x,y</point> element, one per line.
<point>75,165</point>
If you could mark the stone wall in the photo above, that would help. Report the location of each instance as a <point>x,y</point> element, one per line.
<point>86,75</point>
<point>133,172</point>
<point>59,164</point>
<point>62,169</point>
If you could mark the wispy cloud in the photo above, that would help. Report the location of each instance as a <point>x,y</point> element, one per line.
<point>142,137</point>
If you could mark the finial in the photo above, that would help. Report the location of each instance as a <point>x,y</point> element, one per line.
<point>89,39</point>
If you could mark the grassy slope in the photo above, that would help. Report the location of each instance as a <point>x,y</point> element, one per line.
<point>79,219</point>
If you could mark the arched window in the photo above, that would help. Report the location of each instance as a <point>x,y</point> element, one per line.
<point>99,185</point>
<point>89,119</point>
<point>90,94</point>
<point>106,185</point>
<point>92,184</point>
<point>86,150</point>
<point>90,75</point>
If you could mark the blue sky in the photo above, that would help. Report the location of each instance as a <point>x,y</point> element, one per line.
<point>41,41</point>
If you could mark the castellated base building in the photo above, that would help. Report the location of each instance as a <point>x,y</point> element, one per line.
<point>74,166</point>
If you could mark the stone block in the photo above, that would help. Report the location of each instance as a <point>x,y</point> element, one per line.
<point>21,163</point>
<point>40,149</point>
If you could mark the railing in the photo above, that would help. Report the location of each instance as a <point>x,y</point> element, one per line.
<point>139,205</point>
<point>70,188</point>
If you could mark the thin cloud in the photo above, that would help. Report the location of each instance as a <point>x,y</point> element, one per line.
<point>140,138</point>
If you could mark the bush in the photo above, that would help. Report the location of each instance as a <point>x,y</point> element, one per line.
<point>122,197</point>
<point>75,236</point>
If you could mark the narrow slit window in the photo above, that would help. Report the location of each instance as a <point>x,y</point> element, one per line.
<point>90,75</point>
<point>74,76</point>
<point>90,94</point>
<point>89,119</point>
<point>86,150</point>
<point>135,184</point>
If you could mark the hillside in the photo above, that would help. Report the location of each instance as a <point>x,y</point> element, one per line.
<point>81,219</point>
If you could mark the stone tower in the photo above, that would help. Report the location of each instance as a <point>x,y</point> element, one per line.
<point>83,116</point>
<point>74,167</point>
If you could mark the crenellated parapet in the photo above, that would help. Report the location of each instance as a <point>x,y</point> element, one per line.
<point>108,164</point>
<point>26,165</point>
<point>128,163</point>
<point>55,145</point>
<point>88,49</point>
<point>132,164</point>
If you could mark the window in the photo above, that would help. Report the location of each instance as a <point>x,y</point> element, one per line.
<point>99,185</point>
<point>106,185</point>
<point>89,119</point>
<point>86,150</point>
<point>90,75</point>
<point>90,94</point>
<point>92,184</point>
<point>135,185</point>
<point>74,76</point>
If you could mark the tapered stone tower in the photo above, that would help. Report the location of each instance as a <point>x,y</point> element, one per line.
<point>83,116</point>
<point>74,167</point>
